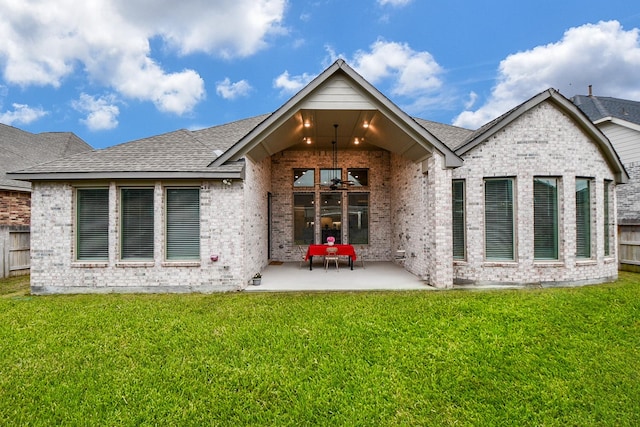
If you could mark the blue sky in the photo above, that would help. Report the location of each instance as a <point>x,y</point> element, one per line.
<point>112,71</point>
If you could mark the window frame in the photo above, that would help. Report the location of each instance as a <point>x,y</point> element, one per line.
<point>498,228</point>
<point>332,173</point>
<point>546,228</point>
<point>366,227</point>
<point>78,226</point>
<point>355,182</point>
<point>303,171</point>
<point>181,224</point>
<point>123,229</point>
<point>462,217</point>
<point>587,221</point>
<point>608,227</point>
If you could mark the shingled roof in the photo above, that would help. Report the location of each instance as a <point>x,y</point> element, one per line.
<point>601,107</point>
<point>20,149</point>
<point>178,154</point>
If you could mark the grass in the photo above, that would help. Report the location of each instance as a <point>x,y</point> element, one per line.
<point>551,357</point>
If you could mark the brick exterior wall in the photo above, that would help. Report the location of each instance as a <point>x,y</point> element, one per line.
<point>379,189</point>
<point>409,208</point>
<point>15,207</point>
<point>543,142</point>
<point>54,269</point>
<point>628,196</point>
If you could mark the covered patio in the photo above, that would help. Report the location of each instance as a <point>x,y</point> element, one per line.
<point>375,276</point>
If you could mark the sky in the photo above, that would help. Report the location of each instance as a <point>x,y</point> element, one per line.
<point>113,71</point>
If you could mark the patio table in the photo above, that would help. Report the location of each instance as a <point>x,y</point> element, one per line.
<point>320,250</point>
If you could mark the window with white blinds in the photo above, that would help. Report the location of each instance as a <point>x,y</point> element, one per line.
<point>92,224</point>
<point>607,218</point>
<point>499,219</point>
<point>583,218</point>
<point>183,224</point>
<point>458,219</point>
<point>545,218</point>
<point>136,237</point>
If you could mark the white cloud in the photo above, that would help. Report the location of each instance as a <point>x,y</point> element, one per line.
<point>394,2</point>
<point>21,114</point>
<point>413,74</point>
<point>229,90</point>
<point>43,42</point>
<point>601,54</point>
<point>102,114</point>
<point>289,84</point>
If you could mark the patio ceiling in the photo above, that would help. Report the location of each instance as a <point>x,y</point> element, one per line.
<point>382,133</point>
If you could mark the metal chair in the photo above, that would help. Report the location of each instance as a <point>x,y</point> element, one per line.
<point>331,255</point>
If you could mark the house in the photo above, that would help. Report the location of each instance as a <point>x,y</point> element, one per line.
<point>20,149</point>
<point>527,198</point>
<point>619,120</point>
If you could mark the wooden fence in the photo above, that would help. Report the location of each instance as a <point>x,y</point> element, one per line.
<point>15,243</point>
<point>629,243</point>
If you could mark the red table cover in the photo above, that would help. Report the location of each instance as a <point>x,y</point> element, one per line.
<point>320,250</point>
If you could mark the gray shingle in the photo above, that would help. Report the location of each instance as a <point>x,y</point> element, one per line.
<point>20,149</point>
<point>599,107</point>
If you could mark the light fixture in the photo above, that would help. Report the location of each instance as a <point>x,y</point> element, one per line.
<point>365,124</point>
<point>306,139</point>
<point>307,123</point>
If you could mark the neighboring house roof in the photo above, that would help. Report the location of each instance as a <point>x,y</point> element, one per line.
<point>20,149</point>
<point>567,107</point>
<point>178,154</point>
<point>601,107</point>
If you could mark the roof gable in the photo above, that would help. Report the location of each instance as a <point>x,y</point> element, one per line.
<point>339,92</point>
<point>564,105</point>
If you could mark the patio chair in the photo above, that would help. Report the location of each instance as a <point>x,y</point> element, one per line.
<point>302,257</point>
<point>331,255</point>
<point>361,255</point>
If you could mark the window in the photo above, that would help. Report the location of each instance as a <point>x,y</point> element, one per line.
<point>92,224</point>
<point>136,237</point>
<point>607,225</point>
<point>303,177</point>
<point>331,216</point>
<point>358,177</point>
<point>358,218</point>
<point>545,218</point>
<point>498,219</point>
<point>303,218</point>
<point>583,218</point>
<point>458,219</point>
<point>183,224</point>
<point>326,175</point>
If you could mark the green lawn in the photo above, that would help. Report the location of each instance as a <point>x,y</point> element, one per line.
<point>516,357</point>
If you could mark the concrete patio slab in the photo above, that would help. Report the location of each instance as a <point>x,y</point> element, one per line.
<point>290,276</point>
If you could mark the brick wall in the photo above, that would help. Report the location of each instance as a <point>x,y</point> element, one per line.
<point>543,142</point>
<point>379,189</point>
<point>15,207</point>
<point>54,269</point>
<point>629,196</point>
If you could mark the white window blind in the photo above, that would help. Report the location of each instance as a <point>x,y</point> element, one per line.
<point>498,219</point>
<point>136,223</point>
<point>583,218</point>
<point>92,224</point>
<point>458,219</point>
<point>545,218</point>
<point>183,223</point>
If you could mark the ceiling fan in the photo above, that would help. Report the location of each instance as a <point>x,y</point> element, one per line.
<point>336,182</point>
